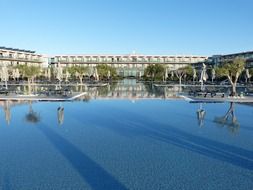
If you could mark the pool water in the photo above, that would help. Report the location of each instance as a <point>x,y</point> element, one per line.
<point>123,144</point>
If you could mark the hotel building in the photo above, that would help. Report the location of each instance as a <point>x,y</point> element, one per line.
<point>220,59</point>
<point>128,65</point>
<point>12,57</point>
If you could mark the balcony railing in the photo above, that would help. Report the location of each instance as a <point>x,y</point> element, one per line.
<point>12,58</point>
<point>128,62</point>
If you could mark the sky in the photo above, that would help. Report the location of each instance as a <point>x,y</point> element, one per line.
<point>164,27</point>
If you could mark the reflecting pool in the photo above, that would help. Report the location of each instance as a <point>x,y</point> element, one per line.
<point>120,143</point>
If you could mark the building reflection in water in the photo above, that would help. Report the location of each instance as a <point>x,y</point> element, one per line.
<point>229,120</point>
<point>126,89</point>
<point>132,90</point>
<point>7,105</point>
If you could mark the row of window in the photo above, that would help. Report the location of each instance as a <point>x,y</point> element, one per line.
<point>134,59</point>
<point>21,56</point>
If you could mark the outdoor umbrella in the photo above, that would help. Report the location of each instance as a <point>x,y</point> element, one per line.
<point>203,76</point>
<point>172,74</point>
<point>76,74</point>
<point>49,73</point>
<point>96,74</point>
<point>194,74</point>
<point>17,74</point>
<point>166,74</point>
<point>67,75</point>
<point>59,72</point>
<point>213,74</point>
<point>247,75</point>
<point>5,75</point>
<point>109,74</point>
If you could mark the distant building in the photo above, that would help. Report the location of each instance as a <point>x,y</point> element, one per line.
<point>220,59</point>
<point>12,57</point>
<point>127,65</point>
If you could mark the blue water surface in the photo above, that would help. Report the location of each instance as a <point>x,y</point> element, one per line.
<point>123,144</point>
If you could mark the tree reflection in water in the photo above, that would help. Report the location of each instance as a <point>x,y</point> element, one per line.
<point>229,120</point>
<point>32,116</point>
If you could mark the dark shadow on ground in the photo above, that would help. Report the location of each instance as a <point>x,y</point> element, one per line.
<point>91,172</point>
<point>133,125</point>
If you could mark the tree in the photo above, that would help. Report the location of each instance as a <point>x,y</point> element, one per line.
<point>104,69</point>
<point>78,71</point>
<point>30,72</point>
<point>232,71</point>
<point>183,72</point>
<point>155,72</point>
<point>250,73</point>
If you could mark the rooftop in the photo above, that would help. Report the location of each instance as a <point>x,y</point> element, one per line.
<point>15,49</point>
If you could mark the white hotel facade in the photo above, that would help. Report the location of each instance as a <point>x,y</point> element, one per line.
<point>12,57</point>
<point>126,65</point>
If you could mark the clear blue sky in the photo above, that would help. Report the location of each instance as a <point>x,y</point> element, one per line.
<point>202,27</point>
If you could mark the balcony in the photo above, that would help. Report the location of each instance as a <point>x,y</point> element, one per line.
<point>12,58</point>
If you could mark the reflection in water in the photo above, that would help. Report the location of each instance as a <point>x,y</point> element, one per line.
<point>201,115</point>
<point>32,116</point>
<point>229,119</point>
<point>125,89</point>
<point>7,111</point>
<point>7,105</point>
<point>60,114</point>
<point>132,90</point>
